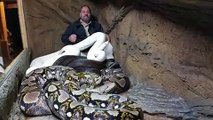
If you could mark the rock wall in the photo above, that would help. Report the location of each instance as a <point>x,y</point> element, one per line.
<point>156,50</point>
<point>150,47</point>
<point>194,13</point>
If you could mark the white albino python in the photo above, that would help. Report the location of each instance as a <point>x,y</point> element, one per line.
<point>71,93</point>
<point>100,50</point>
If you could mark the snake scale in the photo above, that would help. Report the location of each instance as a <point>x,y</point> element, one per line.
<point>71,94</point>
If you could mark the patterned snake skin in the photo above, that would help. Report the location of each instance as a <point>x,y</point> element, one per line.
<point>77,95</point>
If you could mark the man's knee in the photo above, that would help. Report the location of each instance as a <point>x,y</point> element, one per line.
<point>99,34</point>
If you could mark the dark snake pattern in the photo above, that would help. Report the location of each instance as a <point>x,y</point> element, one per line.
<point>77,95</point>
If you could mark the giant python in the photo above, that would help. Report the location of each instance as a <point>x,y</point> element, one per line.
<point>100,50</point>
<point>82,91</point>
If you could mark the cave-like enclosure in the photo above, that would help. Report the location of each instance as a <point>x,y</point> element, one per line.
<point>167,44</point>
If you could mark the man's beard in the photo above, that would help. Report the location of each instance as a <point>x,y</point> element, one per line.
<point>86,19</point>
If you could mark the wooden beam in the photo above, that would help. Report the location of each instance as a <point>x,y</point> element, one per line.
<point>3,21</point>
<point>22,23</point>
<point>4,40</point>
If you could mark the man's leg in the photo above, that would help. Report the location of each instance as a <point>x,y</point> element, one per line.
<point>109,51</point>
<point>110,60</point>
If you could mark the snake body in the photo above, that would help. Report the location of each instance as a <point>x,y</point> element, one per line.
<point>119,82</point>
<point>99,51</point>
<point>80,63</point>
<point>73,87</point>
<point>72,95</point>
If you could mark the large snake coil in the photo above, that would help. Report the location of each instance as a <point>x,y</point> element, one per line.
<point>72,95</point>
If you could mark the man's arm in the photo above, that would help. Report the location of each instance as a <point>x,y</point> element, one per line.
<point>69,36</point>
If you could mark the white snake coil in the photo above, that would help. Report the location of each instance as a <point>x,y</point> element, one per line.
<point>100,50</point>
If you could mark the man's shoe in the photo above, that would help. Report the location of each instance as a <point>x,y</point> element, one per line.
<point>111,63</point>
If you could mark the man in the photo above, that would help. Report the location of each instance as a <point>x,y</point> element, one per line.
<point>84,27</point>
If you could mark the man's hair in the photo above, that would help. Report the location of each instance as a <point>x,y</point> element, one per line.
<point>87,7</point>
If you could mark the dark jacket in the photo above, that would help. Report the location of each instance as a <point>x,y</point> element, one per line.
<point>78,29</point>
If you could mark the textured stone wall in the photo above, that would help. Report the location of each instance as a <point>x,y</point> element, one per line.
<point>157,51</point>
<point>154,49</point>
<point>194,13</point>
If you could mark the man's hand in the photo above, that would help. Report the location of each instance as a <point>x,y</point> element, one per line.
<point>72,38</point>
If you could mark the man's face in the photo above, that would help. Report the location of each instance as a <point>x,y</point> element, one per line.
<point>85,14</point>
